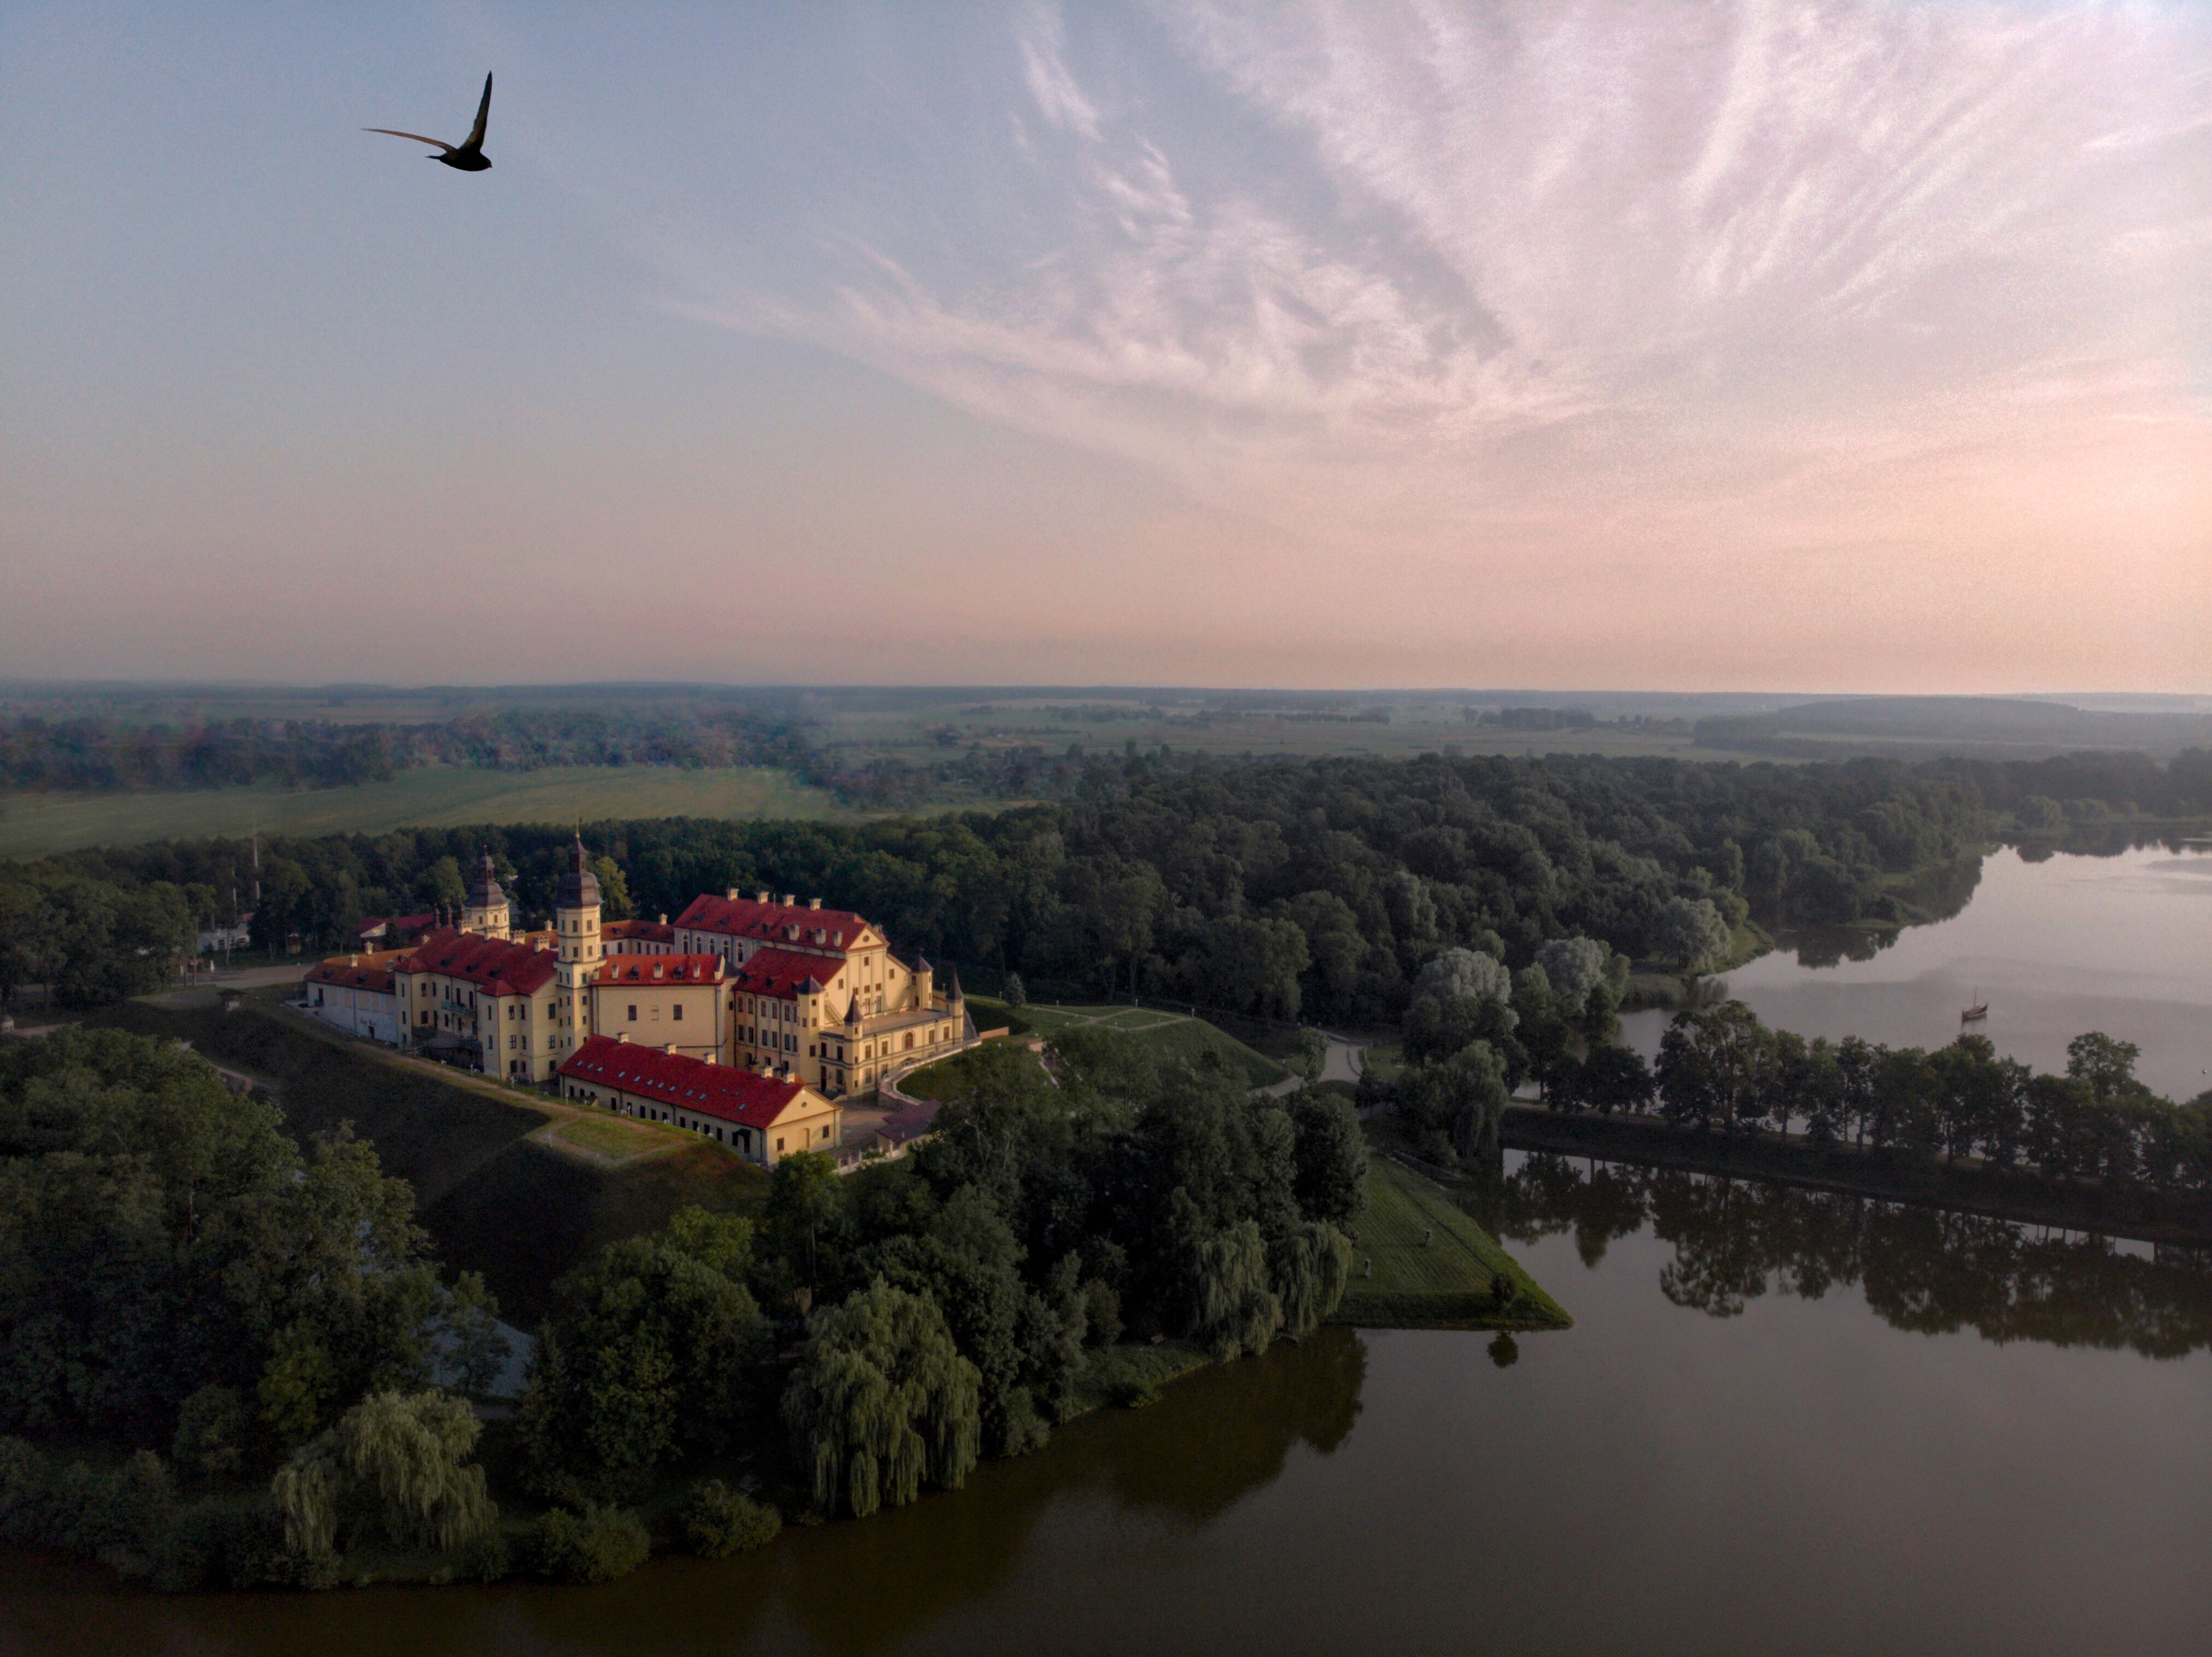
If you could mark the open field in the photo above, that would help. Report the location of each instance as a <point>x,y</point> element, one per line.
<point>1434,1268</point>
<point>32,824</point>
<point>494,1195</point>
<point>921,729</point>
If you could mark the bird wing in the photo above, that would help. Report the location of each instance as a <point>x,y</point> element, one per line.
<point>418,137</point>
<point>474,140</point>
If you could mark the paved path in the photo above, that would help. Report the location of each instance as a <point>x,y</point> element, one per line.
<point>1344,1063</point>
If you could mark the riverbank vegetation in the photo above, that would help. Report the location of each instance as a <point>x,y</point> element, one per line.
<point>255,1375</point>
<point>1476,1034</point>
<point>217,1305</point>
<point>1422,1263</point>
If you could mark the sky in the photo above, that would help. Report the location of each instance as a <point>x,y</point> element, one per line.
<point>1860,346</point>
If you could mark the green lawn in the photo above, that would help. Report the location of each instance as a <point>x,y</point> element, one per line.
<point>436,796</point>
<point>1434,1268</point>
<point>612,1137</point>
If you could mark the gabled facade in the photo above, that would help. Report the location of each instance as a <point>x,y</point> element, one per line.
<point>488,1003</point>
<point>662,1001</point>
<point>356,994</point>
<point>763,1117</point>
<point>806,994</point>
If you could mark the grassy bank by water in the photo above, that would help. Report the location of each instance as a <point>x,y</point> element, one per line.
<point>515,1186</point>
<point>1433,1267</point>
<point>436,796</point>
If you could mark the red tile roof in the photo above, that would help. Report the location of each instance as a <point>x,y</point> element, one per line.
<point>659,969</point>
<point>782,973</point>
<point>772,923</point>
<point>658,931</point>
<point>491,964</point>
<point>403,923</point>
<point>351,977</point>
<point>721,1091</point>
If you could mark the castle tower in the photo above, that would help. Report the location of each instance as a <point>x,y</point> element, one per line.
<point>576,928</point>
<point>488,911</point>
<point>924,992</point>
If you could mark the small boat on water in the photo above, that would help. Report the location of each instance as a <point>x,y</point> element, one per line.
<point>1976,1013</point>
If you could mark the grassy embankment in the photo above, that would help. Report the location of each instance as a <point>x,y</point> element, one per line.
<point>1433,1267</point>
<point>435,796</point>
<point>513,1185</point>
<point>1170,1035</point>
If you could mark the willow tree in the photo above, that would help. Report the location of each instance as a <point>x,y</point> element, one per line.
<point>1311,1267</point>
<point>882,1401</point>
<point>398,1460</point>
<point>1233,1304</point>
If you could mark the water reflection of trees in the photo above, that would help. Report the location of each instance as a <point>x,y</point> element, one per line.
<point>1212,1440</point>
<point>1935,894</point>
<point>1919,1268</point>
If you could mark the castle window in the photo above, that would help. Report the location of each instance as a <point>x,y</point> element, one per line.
<point>676,1012</point>
<point>633,1012</point>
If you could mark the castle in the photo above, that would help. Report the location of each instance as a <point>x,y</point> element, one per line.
<point>791,991</point>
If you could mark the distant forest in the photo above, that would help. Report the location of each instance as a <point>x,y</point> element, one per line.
<point>94,753</point>
<point>1278,888</point>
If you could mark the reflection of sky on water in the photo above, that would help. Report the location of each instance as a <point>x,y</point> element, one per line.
<point>2057,947</point>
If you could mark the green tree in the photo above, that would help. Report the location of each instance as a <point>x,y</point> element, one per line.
<point>615,902</point>
<point>440,884</point>
<point>1331,1157</point>
<point>881,1402</point>
<point>396,1462</point>
<point>475,1347</point>
<point>805,1205</point>
<point>1692,932</point>
<point>1309,1269</point>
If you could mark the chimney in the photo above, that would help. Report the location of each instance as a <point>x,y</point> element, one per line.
<point>669,1048</point>
<point>814,903</point>
<point>733,894</point>
<point>623,1036</point>
<point>663,918</point>
<point>708,1056</point>
<point>353,960</point>
<point>760,897</point>
<point>788,900</point>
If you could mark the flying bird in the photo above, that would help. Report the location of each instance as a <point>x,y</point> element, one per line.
<point>468,156</point>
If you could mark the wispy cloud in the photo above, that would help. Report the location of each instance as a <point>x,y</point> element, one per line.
<point>1476,224</point>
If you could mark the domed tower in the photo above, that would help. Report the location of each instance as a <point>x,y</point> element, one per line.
<point>576,927</point>
<point>487,912</point>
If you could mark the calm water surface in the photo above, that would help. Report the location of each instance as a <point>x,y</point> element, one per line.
<point>2069,943</point>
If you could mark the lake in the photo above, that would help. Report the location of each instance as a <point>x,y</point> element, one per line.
<point>1785,1421</point>
<point>2057,945</point>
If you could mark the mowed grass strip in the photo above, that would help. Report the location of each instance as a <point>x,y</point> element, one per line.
<point>1434,1268</point>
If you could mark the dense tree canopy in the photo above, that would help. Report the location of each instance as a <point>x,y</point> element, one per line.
<point>159,1234</point>
<point>1314,889</point>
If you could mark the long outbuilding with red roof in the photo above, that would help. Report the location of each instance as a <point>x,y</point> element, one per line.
<point>763,1117</point>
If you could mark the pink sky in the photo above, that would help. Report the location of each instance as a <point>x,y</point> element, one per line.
<point>1834,347</point>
